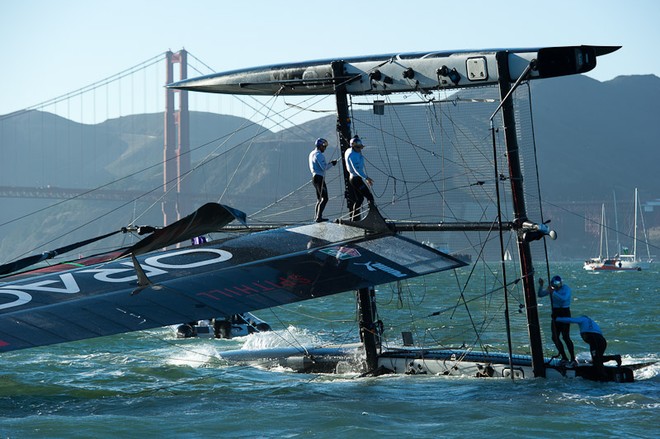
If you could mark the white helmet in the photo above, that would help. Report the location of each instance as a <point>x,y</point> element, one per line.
<point>355,141</point>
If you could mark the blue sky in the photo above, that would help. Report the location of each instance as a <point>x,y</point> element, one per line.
<point>51,48</point>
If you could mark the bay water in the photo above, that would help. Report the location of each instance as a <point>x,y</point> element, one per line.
<point>151,384</point>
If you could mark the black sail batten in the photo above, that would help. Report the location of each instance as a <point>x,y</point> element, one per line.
<point>211,217</point>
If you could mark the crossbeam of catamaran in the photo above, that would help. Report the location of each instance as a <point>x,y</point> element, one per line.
<point>531,231</point>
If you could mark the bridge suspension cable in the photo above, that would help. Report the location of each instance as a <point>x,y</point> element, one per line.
<point>88,88</point>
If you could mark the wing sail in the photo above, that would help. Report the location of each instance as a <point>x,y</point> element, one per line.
<point>220,278</point>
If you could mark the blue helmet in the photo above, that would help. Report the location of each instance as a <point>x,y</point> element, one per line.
<point>355,141</point>
<point>321,142</point>
<point>555,282</point>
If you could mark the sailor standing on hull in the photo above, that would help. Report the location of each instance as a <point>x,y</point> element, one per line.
<point>593,336</point>
<point>560,298</point>
<point>318,166</point>
<point>358,177</point>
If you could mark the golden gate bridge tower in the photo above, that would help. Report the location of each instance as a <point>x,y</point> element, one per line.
<point>176,152</point>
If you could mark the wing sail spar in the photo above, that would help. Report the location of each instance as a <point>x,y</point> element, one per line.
<point>220,278</point>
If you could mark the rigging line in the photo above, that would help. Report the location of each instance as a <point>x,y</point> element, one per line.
<point>416,150</point>
<point>246,124</point>
<point>201,62</point>
<point>209,157</point>
<point>266,116</point>
<point>465,161</point>
<point>410,301</point>
<point>284,119</point>
<point>231,179</point>
<point>251,143</point>
<point>84,224</point>
<point>314,99</point>
<point>87,192</point>
<point>296,106</point>
<point>281,199</point>
<point>465,302</point>
<point>501,239</point>
<point>538,180</point>
<point>296,343</point>
<point>396,145</point>
<point>311,102</point>
<point>480,257</point>
<point>273,99</point>
<point>471,318</point>
<point>425,182</point>
<point>284,197</point>
<point>133,174</point>
<point>107,213</point>
<point>461,163</point>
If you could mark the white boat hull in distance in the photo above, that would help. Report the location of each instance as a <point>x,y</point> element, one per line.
<point>403,72</point>
<point>616,264</point>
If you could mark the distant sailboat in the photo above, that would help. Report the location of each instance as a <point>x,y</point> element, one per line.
<point>623,260</point>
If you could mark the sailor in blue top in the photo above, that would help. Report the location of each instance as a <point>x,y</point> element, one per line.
<point>593,336</point>
<point>358,177</point>
<point>560,298</point>
<point>318,166</point>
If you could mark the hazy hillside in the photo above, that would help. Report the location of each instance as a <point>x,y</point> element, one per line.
<point>592,138</point>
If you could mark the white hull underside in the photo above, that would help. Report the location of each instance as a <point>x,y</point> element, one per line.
<point>457,363</point>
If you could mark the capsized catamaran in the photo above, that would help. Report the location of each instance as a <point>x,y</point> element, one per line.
<point>423,74</point>
<point>143,286</point>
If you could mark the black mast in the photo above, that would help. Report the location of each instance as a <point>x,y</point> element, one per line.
<point>366,297</point>
<point>520,213</point>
